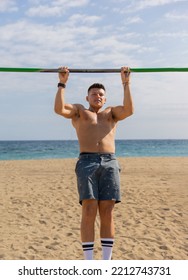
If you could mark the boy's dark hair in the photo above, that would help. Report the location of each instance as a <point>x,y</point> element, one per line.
<point>96,85</point>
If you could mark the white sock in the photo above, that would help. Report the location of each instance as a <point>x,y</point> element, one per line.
<point>107,246</point>
<point>88,250</point>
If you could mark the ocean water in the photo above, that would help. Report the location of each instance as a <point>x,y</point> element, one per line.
<point>16,150</point>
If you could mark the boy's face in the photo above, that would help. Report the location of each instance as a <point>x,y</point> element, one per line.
<point>96,97</point>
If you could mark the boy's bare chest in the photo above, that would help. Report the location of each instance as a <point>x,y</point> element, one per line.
<point>96,119</point>
<point>92,121</point>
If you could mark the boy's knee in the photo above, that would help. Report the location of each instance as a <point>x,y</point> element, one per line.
<point>89,208</point>
<point>106,210</point>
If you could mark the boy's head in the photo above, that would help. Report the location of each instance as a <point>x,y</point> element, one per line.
<point>96,85</point>
<point>96,95</point>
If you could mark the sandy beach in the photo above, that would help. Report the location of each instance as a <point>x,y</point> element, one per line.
<point>40,213</point>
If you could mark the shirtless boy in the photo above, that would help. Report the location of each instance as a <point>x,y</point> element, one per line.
<point>97,169</point>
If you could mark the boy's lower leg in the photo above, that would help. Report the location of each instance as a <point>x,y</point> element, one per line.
<point>107,228</point>
<point>89,212</point>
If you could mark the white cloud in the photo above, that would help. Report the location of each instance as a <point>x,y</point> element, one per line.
<point>39,44</point>
<point>143,4</point>
<point>135,19</point>
<point>44,11</point>
<point>182,34</point>
<point>128,20</point>
<point>173,16</point>
<point>71,3</point>
<point>153,3</point>
<point>55,8</point>
<point>113,43</point>
<point>69,42</point>
<point>83,19</point>
<point>136,5</point>
<point>8,6</point>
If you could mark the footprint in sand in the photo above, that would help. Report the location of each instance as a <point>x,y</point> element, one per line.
<point>32,248</point>
<point>163,247</point>
<point>45,238</point>
<point>2,256</point>
<point>52,246</point>
<point>42,222</point>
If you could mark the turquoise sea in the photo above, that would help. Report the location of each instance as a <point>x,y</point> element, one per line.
<point>16,150</point>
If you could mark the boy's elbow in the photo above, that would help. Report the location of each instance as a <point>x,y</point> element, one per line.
<point>57,110</point>
<point>131,111</point>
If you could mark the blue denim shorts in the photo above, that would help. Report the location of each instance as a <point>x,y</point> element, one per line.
<point>98,177</point>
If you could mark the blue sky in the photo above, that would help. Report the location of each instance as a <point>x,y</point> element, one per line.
<point>93,34</point>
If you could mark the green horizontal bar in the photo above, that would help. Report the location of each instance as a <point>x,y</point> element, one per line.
<point>13,69</point>
<point>167,69</point>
